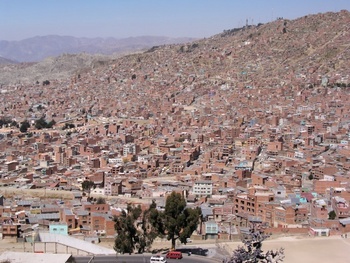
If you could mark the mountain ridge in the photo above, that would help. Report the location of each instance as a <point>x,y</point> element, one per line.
<point>40,47</point>
<point>7,61</point>
<point>276,53</point>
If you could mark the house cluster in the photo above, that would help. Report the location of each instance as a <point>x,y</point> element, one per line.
<point>74,217</point>
<point>240,128</point>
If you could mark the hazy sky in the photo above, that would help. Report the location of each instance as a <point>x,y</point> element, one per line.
<point>20,19</point>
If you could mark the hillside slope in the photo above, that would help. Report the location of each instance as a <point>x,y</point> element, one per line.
<point>274,54</point>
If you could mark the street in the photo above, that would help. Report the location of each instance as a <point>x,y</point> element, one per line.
<point>137,259</point>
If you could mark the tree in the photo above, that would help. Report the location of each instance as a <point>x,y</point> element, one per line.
<point>332,215</point>
<point>50,124</point>
<point>179,220</point>
<point>128,235</point>
<point>24,126</point>
<point>156,220</point>
<point>42,124</point>
<point>152,225</point>
<point>46,82</point>
<point>7,121</point>
<point>87,185</point>
<point>68,126</point>
<point>151,219</point>
<point>2,122</point>
<point>100,201</point>
<point>14,124</point>
<point>252,251</point>
<point>135,229</point>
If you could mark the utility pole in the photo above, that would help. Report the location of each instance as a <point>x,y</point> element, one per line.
<point>33,241</point>
<point>24,244</point>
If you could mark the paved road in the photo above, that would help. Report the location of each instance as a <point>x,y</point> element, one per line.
<point>138,259</point>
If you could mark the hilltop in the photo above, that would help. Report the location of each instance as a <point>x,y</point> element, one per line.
<point>256,55</point>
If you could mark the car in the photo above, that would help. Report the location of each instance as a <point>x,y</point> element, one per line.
<point>174,254</point>
<point>157,259</point>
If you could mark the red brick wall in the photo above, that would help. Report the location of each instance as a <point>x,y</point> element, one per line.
<point>321,186</point>
<point>289,231</point>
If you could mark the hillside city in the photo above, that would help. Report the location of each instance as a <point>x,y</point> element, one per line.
<point>250,125</point>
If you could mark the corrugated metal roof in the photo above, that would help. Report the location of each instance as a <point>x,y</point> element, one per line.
<point>206,211</point>
<point>51,216</point>
<point>345,221</point>
<point>33,218</point>
<point>20,257</point>
<point>81,212</point>
<point>75,243</point>
<point>25,202</point>
<point>68,212</point>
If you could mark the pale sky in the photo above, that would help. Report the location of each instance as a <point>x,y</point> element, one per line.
<point>20,19</point>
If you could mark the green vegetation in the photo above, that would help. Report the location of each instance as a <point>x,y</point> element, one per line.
<point>100,201</point>
<point>179,220</point>
<point>134,231</point>
<point>68,126</point>
<point>332,215</point>
<point>46,82</point>
<point>24,126</point>
<point>87,185</point>
<point>5,121</point>
<point>137,229</point>
<point>43,124</point>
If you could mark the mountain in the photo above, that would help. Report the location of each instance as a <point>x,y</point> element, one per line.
<point>60,67</point>
<point>5,61</point>
<point>41,47</point>
<point>280,53</point>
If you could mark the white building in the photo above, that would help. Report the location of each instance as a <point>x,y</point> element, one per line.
<point>203,188</point>
<point>129,148</point>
